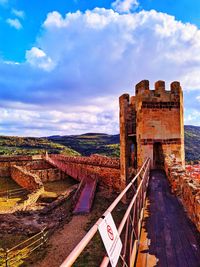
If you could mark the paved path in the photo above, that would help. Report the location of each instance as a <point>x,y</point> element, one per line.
<point>168,238</point>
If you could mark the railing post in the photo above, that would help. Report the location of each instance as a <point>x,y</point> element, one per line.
<point>7,258</point>
<point>6,194</point>
<point>42,237</point>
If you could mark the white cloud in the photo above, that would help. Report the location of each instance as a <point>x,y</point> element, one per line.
<point>14,23</point>
<point>89,59</point>
<point>18,13</point>
<point>125,6</point>
<point>192,117</point>
<point>37,58</point>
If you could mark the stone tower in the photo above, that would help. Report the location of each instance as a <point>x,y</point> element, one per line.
<point>151,125</point>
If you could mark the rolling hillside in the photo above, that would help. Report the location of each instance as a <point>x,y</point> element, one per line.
<point>90,143</point>
<point>192,142</point>
<point>86,144</point>
<point>105,144</point>
<point>12,145</point>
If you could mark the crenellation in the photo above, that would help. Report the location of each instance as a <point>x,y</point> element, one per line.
<point>141,87</point>
<point>159,86</point>
<point>175,88</point>
<point>124,97</point>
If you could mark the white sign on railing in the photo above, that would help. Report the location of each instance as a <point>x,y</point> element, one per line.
<point>111,239</point>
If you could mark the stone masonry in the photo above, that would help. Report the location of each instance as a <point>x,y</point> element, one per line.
<point>105,170</point>
<point>186,186</point>
<point>151,125</point>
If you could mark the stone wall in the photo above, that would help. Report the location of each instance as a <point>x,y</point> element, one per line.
<point>7,162</point>
<point>33,164</point>
<point>38,165</point>
<point>185,187</point>
<point>49,175</point>
<point>45,171</point>
<point>29,181</point>
<point>95,159</point>
<point>106,176</point>
<point>31,199</point>
<point>25,179</point>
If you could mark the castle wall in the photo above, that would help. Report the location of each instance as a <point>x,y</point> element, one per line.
<point>95,160</point>
<point>106,176</point>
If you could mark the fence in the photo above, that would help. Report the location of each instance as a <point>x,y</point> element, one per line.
<point>13,193</point>
<point>130,226</point>
<point>15,256</point>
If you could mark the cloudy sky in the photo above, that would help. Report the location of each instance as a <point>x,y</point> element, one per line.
<point>64,63</point>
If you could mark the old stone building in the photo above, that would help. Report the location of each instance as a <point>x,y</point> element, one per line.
<point>151,125</point>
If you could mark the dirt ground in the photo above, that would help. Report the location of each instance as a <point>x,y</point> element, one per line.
<point>62,242</point>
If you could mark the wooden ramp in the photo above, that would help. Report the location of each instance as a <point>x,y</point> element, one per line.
<point>85,200</point>
<point>85,193</point>
<point>168,238</point>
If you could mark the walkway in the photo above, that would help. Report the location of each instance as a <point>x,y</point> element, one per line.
<point>168,238</point>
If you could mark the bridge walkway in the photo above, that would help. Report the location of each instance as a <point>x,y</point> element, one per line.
<point>168,238</point>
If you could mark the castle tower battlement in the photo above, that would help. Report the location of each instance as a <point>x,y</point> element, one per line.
<point>151,125</point>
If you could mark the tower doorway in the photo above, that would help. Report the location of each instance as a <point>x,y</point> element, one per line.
<point>158,157</point>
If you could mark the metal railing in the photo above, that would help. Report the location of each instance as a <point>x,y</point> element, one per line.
<point>130,226</point>
<point>13,193</point>
<point>16,255</point>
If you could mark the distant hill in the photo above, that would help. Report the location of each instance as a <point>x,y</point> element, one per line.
<point>12,145</point>
<point>86,144</point>
<point>192,142</point>
<point>90,143</point>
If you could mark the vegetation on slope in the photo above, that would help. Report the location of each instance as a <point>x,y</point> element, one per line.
<point>86,144</point>
<point>192,143</point>
<point>90,143</point>
<point>12,145</point>
<point>105,144</point>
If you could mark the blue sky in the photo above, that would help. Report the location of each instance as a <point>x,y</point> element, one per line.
<point>64,63</point>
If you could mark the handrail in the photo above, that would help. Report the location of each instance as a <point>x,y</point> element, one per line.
<point>13,190</point>
<point>20,251</point>
<point>90,234</point>
<point>105,260</point>
<point>27,240</point>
